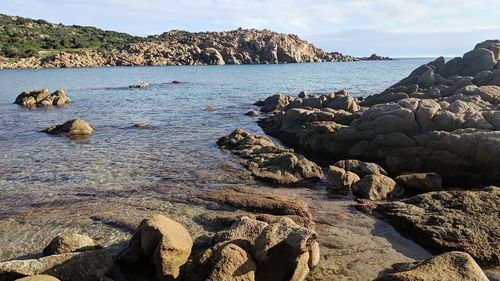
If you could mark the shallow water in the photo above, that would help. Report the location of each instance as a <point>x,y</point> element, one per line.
<point>50,184</point>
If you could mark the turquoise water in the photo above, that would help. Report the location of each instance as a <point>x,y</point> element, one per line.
<point>180,148</point>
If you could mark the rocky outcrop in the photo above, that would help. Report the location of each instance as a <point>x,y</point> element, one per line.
<point>420,182</point>
<point>375,57</point>
<point>161,242</point>
<point>270,162</point>
<point>242,46</point>
<point>42,98</point>
<point>83,266</point>
<point>70,242</point>
<point>258,251</point>
<point>456,220</point>
<point>72,128</point>
<point>449,266</point>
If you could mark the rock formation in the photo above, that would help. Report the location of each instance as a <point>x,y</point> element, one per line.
<point>242,46</point>
<point>268,161</point>
<point>69,243</point>
<point>72,128</point>
<point>42,98</point>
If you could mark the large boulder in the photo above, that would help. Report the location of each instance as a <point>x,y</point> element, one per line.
<point>476,61</point>
<point>82,266</point>
<point>159,241</point>
<point>286,251</point>
<point>449,266</point>
<point>245,229</point>
<point>421,182</point>
<point>70,242</point>
<point>451,220</point>
<point>72,128</point>
<point>360,168</point>
<point>377,187</point>
<point>340,181</point>
<point>224,261</point>
<point>273,103</point>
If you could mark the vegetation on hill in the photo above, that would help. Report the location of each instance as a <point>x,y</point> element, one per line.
<point>22,37</point>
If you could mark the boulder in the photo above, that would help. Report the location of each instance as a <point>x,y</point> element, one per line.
<point>142,85</point>
<point>449,266</point>
<point>422,182</point>
<point>340,181</point>
<point>252,113</point>
<point>81,266</point>
<point>451,220</point>
<point>75,127</point>
<point>42,98</point>
<point>274,103</point>
<point>70,242</point>
<point>224,261</point>
<point>476,61</point>
<point>159,241</point>
<point>286,251</point>
<point>377,187</point>
<point>212,56</point>
<point>426,80</point>
<point>269,162</point>
<point>245,229</point>
<point>490,94</point>
<point>492,45</point>
<point>451,67</point>
<point>360,168</point>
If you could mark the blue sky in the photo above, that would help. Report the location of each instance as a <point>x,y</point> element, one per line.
<point>399,28</point>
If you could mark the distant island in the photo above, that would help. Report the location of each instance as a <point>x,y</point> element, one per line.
<point>29,43</point>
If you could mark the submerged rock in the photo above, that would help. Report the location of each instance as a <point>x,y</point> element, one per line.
<point>270,162</point>
<point>72,128</point>
<point>454,220</point>
<point>159,241</point>
<point>42,98</point>
<point>449,266</point>
<point>143,85</point>
<point>70,242</point>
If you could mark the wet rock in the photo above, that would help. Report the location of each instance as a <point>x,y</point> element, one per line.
<point>38,278</point>
<point>42,98</point>
<point>270,162</point>
<point>82,266</point>
<point>142,125</point>
<point>377,187</point>
<point>340,181</point>
<point>252,113</point>
<point>360,168</point>
<point>70,242</point>
<point>449,266</point>
<point>224,261</point>
<point>253,201</point>
<point>75,127</point>
<point>177,82</point>
<point>451,220</point>
<point>421,182</point>
<point>286,251</point>
<point>143,85</point>
<point>159,241</point>
<point>210,109</point>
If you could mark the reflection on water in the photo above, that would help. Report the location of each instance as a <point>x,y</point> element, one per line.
<point>104,184</point>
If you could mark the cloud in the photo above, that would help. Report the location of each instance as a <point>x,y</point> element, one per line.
<point>333,24</point>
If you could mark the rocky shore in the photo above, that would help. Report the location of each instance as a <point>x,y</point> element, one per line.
<point>242,46</point>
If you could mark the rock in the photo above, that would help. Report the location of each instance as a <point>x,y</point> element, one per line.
<point>82,266</point>
<point>286,251</point>
<point>376,57</point>
<point>360,168</point>
<point>42,98</point>
<point>270,162</point>
<point>274,103</point>
<point>142,85</point>
<point>451,220</point>
<point>451,67</point>
<point>426,80</point>
<point>476,61</point>
<point>70,242</point>
<point>210,109</point>
<point>38,278</point>
<point>340,181</point>
<point>303,94</point>
<point>252,113</point>
<point>490,94</point>
<point>449,266</point>
<point>142,125</point>
<point>482,78</point>
<point>177,82</point>
<point>244,229</point>
<point>250,200</point>
<point>212,56</point>
<point>75,127</point>
<point>376,187</point>
<point>159,241</point>
<point>224,261</point>
<point>420,181</point>
<point>492,45</point>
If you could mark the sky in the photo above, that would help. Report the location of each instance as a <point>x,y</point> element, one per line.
<point>397,28</point>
